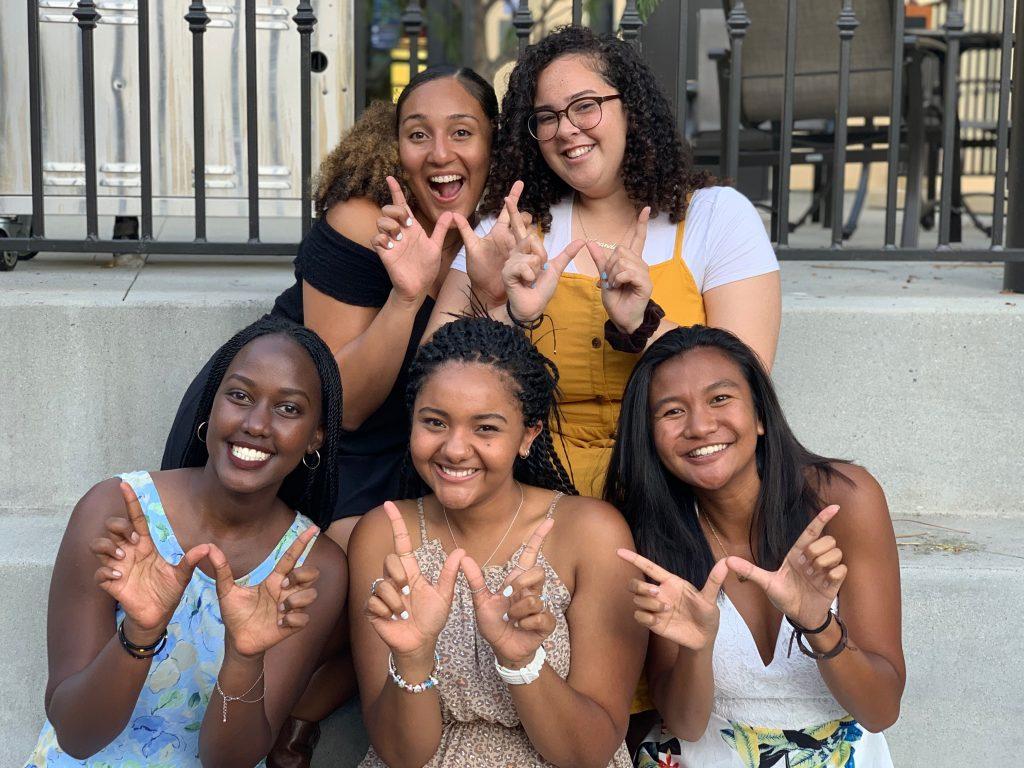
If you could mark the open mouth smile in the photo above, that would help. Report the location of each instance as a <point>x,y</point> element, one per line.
<point>247,457</point>
<point>446,187</point>
<point>706,451</point>
<point>455,474</point>
<point>577,152</point>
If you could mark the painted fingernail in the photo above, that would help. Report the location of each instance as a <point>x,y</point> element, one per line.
<point>117,574</point>
<point>281,608</point>
<point>408,222</point>
<point>504,617</point>
<point>285,583</point>
<point>135,538</point>
<point>398,236</point>
<point>507,591</point>
<point>654,590</point>
<point>280,622</point>
<point>393,617</point>
<point>390,245</point>
<point>119,552</point>
<point>802,559</point>
<point>406,590</point>
<point>404,615</point>
<point>604,275</point>
<point>544,267</point>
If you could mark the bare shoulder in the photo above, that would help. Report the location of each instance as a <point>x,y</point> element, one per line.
<point>355,218</point>
<point>328,557</point>
<point>863,511</point>
<point>101,501</point>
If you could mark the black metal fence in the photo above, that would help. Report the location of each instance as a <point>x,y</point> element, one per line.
<point>829,149</point>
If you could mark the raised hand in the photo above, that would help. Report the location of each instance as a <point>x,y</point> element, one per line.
<point>516,619</point>
<point>808,581</point>
<point>411,257</point>
<point>406,610</point>
<point>486,256</point>
<point>135,574</point>
<point>257,618</point>
<point>625,278</point>
<point>673,607</point>
<point>530,278</point>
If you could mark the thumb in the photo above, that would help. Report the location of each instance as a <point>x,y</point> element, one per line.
<point>449,572</point>
<point>475,577</point>
<point>222,571</point>
<point>190,560</point>
<point>597,253</point>
<point>469,236</point>
<point>441,227</point>
<point>561,261</point>
<point>715,580</point>
<point>747,570</point>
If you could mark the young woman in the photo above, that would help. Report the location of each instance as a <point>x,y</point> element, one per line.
<point>586,127</point>
<point>160,655</point>
<point>775,619</point>
<point>462,638</point>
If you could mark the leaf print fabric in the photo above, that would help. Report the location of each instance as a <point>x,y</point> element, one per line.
<point>829,745</point>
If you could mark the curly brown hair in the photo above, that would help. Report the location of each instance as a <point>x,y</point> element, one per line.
<point>362,161</point>
<point>657,168</point>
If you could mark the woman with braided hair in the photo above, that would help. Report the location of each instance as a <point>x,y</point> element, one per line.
<point>470,597</point>
<point>631,240</point>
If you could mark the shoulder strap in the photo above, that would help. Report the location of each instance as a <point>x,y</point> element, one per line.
<point>554,503</point>
<point>422,520</point>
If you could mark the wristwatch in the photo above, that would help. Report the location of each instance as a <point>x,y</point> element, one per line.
<point>524,675</point>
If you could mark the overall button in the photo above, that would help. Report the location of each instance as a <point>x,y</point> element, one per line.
<point>595,343</point>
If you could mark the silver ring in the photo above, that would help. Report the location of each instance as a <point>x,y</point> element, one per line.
<point>373,587</point>
<point>478,591</point>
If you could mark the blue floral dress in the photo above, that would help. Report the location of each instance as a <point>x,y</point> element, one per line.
<point>164,727</point>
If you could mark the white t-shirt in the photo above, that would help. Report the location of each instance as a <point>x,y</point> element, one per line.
<point>724,240</point>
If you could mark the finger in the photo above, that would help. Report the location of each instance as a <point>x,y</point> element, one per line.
<point>389,226</point>
<point>382,242</point>
<point>715,581</point>
<point>466,231</point>
<point>837,575</point>
<point>817,525</point>
<point>300,577</point>
<point>377,608</point>
<point>526,607</point>
<point>301,599</point>
<point>528,558</point>
<point>600,257</point>
<point>527,218</point>
<point>221,570</point>
<point>561,261</point>
<point>747,570</point>
<point>636,243</point>
<point>514,219</point>
<point>395,572</point>
<point>653,570</point>
<point>645,618</point>
<point>190,560</point>
<point>816,548</point>
<point>827,561</point>
<point>520,272</point>
<point>649,604</point>
<point>107,549</point>
<point>625,275</point>
<point>475,578</point>
<point>135,514</point>
<point>397,195</point>
<point>122,530</point>
<point>106,573</point>
<point>541,623</point>
<point>403,542</point>
<point>392,598</point>
<point>449,573</point>
<point>293,620</point>
<point>532,580</point>
<point>638,587</point>
<point>294,552</point>
<point>513,194</point>
<point>441,227</point>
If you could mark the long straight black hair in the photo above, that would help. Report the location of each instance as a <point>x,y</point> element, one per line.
<point>661,509</point>
<point>313,492</point>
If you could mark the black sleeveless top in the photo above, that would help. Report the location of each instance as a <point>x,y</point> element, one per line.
<point>371,456</point>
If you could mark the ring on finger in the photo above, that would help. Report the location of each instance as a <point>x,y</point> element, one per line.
<point>376,583</point>
<point>478,590</point>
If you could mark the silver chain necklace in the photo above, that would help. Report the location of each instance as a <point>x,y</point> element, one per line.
<point>522,497</point>
<point>720,544</point>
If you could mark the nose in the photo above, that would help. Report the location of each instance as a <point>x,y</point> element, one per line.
<point>700,422</point>
<point>440,150</point>
<point>457,447</point>
<point>257,421</point>
<point>566,130</point>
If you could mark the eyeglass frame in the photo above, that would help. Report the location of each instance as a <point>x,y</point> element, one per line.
<point>560,113</point>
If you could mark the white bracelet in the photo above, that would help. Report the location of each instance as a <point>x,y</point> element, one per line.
<point>525,675</point>
<point>426,685</point>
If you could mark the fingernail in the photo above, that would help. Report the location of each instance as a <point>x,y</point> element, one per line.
<point>119,552</point>
<point>280,622</point>
<point>280,607</point>
<point>406,590</point>
<point>408,222</point>
<point>404,615</point>
<point>398,236</point>
<point>533,284</point>
<point>604,275</point>
<point>507,591</point>
<point>544,267</point>
<point>393,617</point>
<point>802,559</point>
<point>117,574</point>
<point>285,583</point>
<point>504,617</point>
<point>390,245</point>
<point>654,590</point>
<point>135,538</point>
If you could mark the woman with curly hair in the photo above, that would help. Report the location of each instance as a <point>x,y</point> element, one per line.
<point>587,129</point>
<point>365,280</point>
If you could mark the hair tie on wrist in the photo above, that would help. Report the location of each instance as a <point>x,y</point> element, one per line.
<point>636,341</point>
<point>526,325</point>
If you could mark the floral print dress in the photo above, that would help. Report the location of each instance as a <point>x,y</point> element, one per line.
<point>163,731</point>
<point>781,715</point>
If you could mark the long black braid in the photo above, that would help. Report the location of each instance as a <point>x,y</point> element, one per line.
<point>487,341</point>
<point>312,492</point>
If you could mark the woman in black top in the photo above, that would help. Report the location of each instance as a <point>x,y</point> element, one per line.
<point>366,277</point>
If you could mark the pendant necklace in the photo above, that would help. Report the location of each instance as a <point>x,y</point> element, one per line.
<point>606,246</point>
<point>522,497</point>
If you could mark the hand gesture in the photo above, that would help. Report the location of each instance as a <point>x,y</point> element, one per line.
<point>408,611</point>
<point>516,620</point>
<point>486,256</point>
<point>809,578</point>
<point>625,278</point>
<point>673,608</point>
<point>146,586</point>
<point>257,618</point>
<point>530,278</point>
<point>411,257</point>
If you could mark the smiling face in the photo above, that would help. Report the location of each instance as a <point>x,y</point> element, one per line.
<point>444,144</point>
<point>467,430</point>
<point>265,415</point>
<point>704,420</point>
<point>587,160</point>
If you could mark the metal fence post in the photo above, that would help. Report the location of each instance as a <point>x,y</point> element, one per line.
<point>412,25</point>
<point>305,20</point>
<point>1013,272</point>
<point>631,24</point>
<point>522,21</point>
<point>87,16</point>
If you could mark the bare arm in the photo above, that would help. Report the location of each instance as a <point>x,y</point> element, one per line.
<point>751,309</point>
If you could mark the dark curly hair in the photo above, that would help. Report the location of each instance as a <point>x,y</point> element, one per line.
<point>657,168</point>
<point>313,492</point>
<point>534,380</point>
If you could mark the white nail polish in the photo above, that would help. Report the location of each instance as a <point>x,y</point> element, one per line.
<point>406,590</point>
<point>390,245</point>
<point>120,552</point>
<point>393,617</point>
<point>504,617</point>
<point>408,222</point>
<point>507,591</point>
<point>117,574</point>
<point>398,236</point>
<point>404,615</point>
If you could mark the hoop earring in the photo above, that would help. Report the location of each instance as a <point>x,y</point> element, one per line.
<point>199,433</point>
<point>309,466</point>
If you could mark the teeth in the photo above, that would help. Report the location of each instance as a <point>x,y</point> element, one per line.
<point>708,450</point>
<point>579,151</point>
<point>445,179</point>
<point>248,454</point>
<point>457,472</point>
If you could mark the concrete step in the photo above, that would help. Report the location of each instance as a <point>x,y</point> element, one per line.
<point>963,595</point>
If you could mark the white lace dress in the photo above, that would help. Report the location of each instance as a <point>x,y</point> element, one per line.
<point>780,715</point>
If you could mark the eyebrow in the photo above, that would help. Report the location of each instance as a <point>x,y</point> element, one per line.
<point>477,417</point>
<point>721,383</point>
<point>456,116</point>
<point>571,98</point>
<point>290,391</point>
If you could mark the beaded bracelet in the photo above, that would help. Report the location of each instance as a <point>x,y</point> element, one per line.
<point>426,685</point>
<point>140,651</point>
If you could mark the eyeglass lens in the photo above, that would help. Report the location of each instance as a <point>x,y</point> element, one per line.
<point>584,114</point>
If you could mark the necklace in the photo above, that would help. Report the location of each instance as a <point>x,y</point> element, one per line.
<point>720,544</point>
<point>522,497</point>
<point>606,246</point>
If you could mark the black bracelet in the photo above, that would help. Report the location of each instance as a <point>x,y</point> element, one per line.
<point>526,325</point>
<point>141,651</point>
<point>636,341</point>
<point>804,631</point>
<point>806,650</point>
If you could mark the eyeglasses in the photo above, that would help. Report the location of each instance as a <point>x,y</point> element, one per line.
<point>584,113</point>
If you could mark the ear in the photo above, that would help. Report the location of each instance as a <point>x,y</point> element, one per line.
<point>529,436</point>
<point>760,428</point>
<point>317,441</point>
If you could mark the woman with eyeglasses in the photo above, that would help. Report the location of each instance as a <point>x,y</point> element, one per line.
<point>630,240</point>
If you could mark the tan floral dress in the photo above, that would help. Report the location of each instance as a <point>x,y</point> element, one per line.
<point>480,725</point>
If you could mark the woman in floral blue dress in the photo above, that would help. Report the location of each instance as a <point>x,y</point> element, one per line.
<point>161,656</point>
